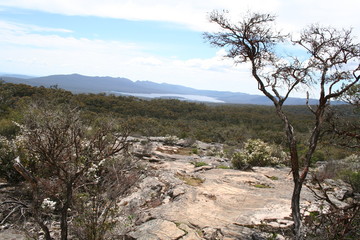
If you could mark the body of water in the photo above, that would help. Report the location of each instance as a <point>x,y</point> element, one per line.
<point>170,95</point>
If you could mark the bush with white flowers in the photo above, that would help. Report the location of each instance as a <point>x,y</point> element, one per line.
<point>47,204</point>
<point>7,155</point>
<point>258,153</point>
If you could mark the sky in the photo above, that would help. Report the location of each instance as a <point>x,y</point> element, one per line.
<point>154,40</point>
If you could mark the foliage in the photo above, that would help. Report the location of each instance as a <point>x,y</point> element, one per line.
<point>7,128</point>
<point>170,140</point>
<point>7,156</point>
<point>350,172</point>
<point>351,177</point>
<point>347,169</point>
<point>344,132</point>
<point>63,157</point>
<point>95,205</point>
<point>258,153</point>
<point>352,95</point>
<point>194,151</point>
<point>199,164</point>
<point>229,124</point>
<point>190,180</point>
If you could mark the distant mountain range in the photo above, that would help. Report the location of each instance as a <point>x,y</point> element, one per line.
<point>77,83</point>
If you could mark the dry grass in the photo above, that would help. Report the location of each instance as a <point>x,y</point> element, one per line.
<point>190,180</point>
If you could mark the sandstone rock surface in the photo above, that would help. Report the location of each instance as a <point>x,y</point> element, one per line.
<point>211,203</point>
<point>176,200</point>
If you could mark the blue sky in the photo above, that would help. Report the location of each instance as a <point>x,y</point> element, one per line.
<point>156,40</point>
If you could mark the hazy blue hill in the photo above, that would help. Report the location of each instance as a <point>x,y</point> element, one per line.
<point>84,84</point>
<point>15,75</point>
<point>80,83</point>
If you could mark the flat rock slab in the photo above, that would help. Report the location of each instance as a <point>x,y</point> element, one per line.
<point>228,197</point>
<point>158,229</point>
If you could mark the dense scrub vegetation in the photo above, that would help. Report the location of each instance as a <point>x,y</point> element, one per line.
<point>229,124</point>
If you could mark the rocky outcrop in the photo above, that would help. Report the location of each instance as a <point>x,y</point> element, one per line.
<point>207,202</point>
<point>178,200</point>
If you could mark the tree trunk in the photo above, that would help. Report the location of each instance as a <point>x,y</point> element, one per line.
<point>297,179</point>
<point>64,212</point>
<point>295,211</point>
<point>63,222</point>
<point>43,227</point>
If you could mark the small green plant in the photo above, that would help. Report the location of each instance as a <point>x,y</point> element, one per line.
<point>199,164</point>
<point>273,236</point>
<point>195,151</point>
<point>190,180</point>
<point>274,178</point>
<point>260,185</point>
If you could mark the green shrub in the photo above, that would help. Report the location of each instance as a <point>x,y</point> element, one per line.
<point>8,129</point>
<point>318,156</point>
<point>7,156</point>
<point>195,151</point>
<point>351,177</point>
<point>199,164</point>
<point>258,153</point>
<point>171,140</point>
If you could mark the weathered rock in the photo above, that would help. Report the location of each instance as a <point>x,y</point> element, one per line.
<point>158,229</point>
<point>191,234</point>
<point>203,168</point>
<point>148,194</point>
<point>212,234</point>
<point>224,198</point>
<point>343,194</point>
<point>179,190</point>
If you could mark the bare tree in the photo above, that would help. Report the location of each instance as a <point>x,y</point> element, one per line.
<point>332,59</point>
<point>61,154</point>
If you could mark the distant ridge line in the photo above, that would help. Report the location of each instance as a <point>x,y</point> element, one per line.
<point>77,83</point>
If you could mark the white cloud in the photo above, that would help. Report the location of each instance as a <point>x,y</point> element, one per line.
<point>27,28</point>
<point>38,54</point>
<point>193,14</point>
<point>147,61</point>
<point>23,34</point>
<point>297,14</point>
<point>217,63</point>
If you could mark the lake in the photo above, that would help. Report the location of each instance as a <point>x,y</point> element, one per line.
<point>186,97</point>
